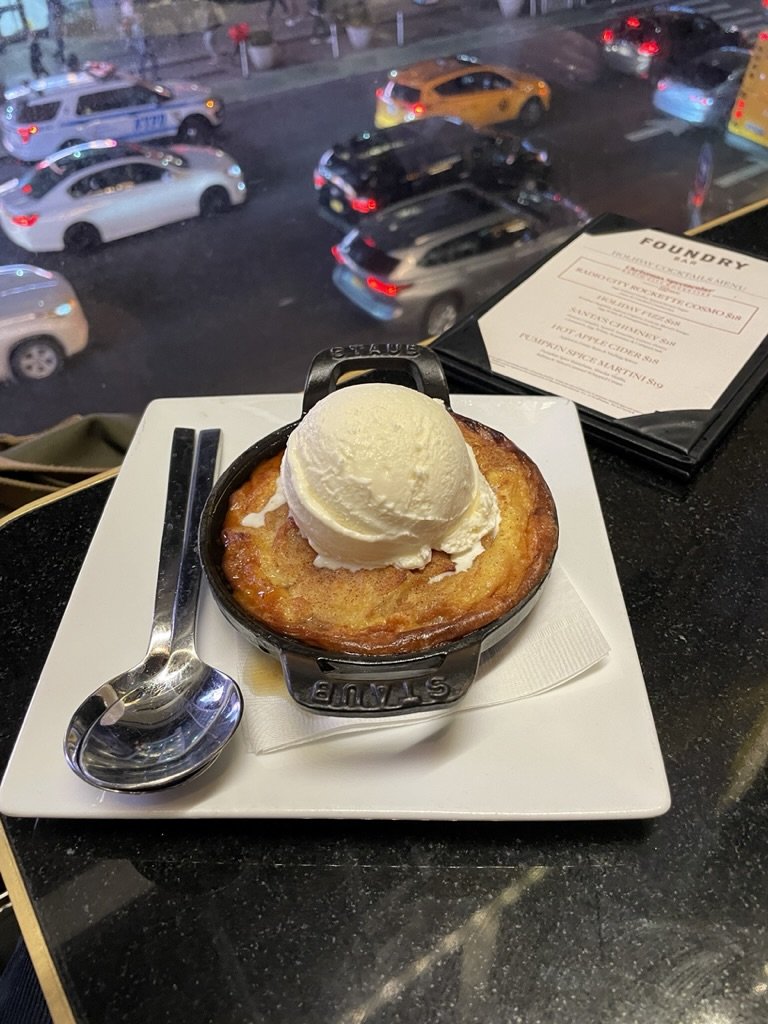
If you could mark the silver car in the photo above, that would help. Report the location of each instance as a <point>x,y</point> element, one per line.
<point>41,322</point>
<point>704,92</point>
<point>426,261</point>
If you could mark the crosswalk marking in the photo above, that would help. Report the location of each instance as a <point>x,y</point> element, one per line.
<point>751,169</point>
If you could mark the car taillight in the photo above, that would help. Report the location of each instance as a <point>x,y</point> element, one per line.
<point>26,220</point>
<point>607,36</point>
<point>738,110</point>
<point>26,130</point>
<point>318,180</point>
<point>362,204</point>
<point>336,253</point>
<point>385,287</point>
<point>379,93</point>
<point>417,109</point>
<point>632,22</point>
<point>661,86</point>
<point>649,48</point>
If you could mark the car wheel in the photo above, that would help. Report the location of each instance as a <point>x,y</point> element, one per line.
<point>441,315</point>
<point>36,359</point>
<point>81,238</point>
<point>531,113</point>
<point>195,131</point>
<point>214,200</point>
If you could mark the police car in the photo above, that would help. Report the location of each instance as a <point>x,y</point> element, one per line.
<point>102,102</point>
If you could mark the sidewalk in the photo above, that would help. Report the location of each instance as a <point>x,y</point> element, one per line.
<point>417,31</point>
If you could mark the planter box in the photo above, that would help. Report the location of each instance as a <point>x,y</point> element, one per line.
<point>359,36</point>
<point>510,8</point>
<point>262,57</point>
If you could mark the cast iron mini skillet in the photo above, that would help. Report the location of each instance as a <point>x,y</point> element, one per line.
<point>332,683</point>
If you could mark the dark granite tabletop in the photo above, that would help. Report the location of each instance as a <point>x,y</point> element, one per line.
<point>657,922</point>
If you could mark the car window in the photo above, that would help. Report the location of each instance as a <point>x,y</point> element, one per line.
<point>453,87</point>
<point>502,236</point>
<point>461,248</point>
<point>101,181</point>
<point>142,174</point>
<point>495,81</point>
<point>370,257</point>
<point>404,93</point>
<point>33,111</point>
<point>107,99</point>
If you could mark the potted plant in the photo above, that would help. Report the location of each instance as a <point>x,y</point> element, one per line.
<point>356,19</point>
<point>261,49</point>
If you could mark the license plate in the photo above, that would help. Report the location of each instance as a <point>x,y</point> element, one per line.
<point>336,205</point>
<point>356,282</point>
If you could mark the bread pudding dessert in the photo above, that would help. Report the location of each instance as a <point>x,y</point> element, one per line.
<point>388,525</point>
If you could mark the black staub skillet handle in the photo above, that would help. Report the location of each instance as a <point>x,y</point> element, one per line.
<point>334,685</point>
<point>423,366</point>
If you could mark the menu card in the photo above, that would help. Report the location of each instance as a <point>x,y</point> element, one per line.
<point>659,339</point>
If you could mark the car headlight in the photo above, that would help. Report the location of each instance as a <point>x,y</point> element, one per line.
<point>234,170</point>
<point>64,309</point>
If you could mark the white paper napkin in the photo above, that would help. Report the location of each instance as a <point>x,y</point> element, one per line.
<point>558,641</point>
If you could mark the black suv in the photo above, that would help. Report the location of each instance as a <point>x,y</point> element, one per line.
<point>653,41</point>
<point>388,165</point>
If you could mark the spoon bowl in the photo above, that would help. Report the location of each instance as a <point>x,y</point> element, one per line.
<point>170,716</point>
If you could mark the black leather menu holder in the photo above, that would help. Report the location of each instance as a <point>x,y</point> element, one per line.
<point>677,441</point>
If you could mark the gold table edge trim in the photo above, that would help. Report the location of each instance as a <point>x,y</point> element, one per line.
<point>39,954</point>
<point>62,492</point>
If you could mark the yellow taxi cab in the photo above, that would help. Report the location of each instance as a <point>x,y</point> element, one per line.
<point>461,86</point>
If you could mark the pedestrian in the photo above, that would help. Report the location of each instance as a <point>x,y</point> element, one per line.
<point>214,20</point>
<point>39,69</point>
<point>290,21</point>
<point>320,28</point>
<point>56,27</point>
<point>141,46</point>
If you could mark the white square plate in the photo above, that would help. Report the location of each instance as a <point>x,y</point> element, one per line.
<point>585,750</point>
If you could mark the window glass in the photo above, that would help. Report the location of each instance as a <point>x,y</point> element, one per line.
<point>34,111</point>
<point>141,174</point>
<point>107,99</point>
<point>456,249</point>
<point>404,93</point>
<point>100,181</point>
<point>369,257</point>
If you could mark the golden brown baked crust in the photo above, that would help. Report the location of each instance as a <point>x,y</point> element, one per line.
<point>389,610</point>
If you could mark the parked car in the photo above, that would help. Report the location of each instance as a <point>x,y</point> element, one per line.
<point>704,91</point>
<point>41,322</point>
<point>387,165</point>
<point>100,102</point>
<point>426,261</point>
<point>461,86</point>
<point>105,190</point>
<point>659,39</point>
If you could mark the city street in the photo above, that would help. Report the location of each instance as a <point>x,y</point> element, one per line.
<point>239,303</point>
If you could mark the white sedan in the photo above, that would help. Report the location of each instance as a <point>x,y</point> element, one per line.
<point>41,322</point>
<point>101,191</point>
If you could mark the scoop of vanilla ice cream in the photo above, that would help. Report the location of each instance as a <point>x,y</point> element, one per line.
<point>379,474</point>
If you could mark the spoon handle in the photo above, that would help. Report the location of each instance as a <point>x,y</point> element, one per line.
<point>178,574</point>
<point>190,571</point>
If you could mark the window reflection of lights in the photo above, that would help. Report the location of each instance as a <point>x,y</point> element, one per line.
<point>452,943</point>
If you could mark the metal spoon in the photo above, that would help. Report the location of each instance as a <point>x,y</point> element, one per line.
<point>169,717</point>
